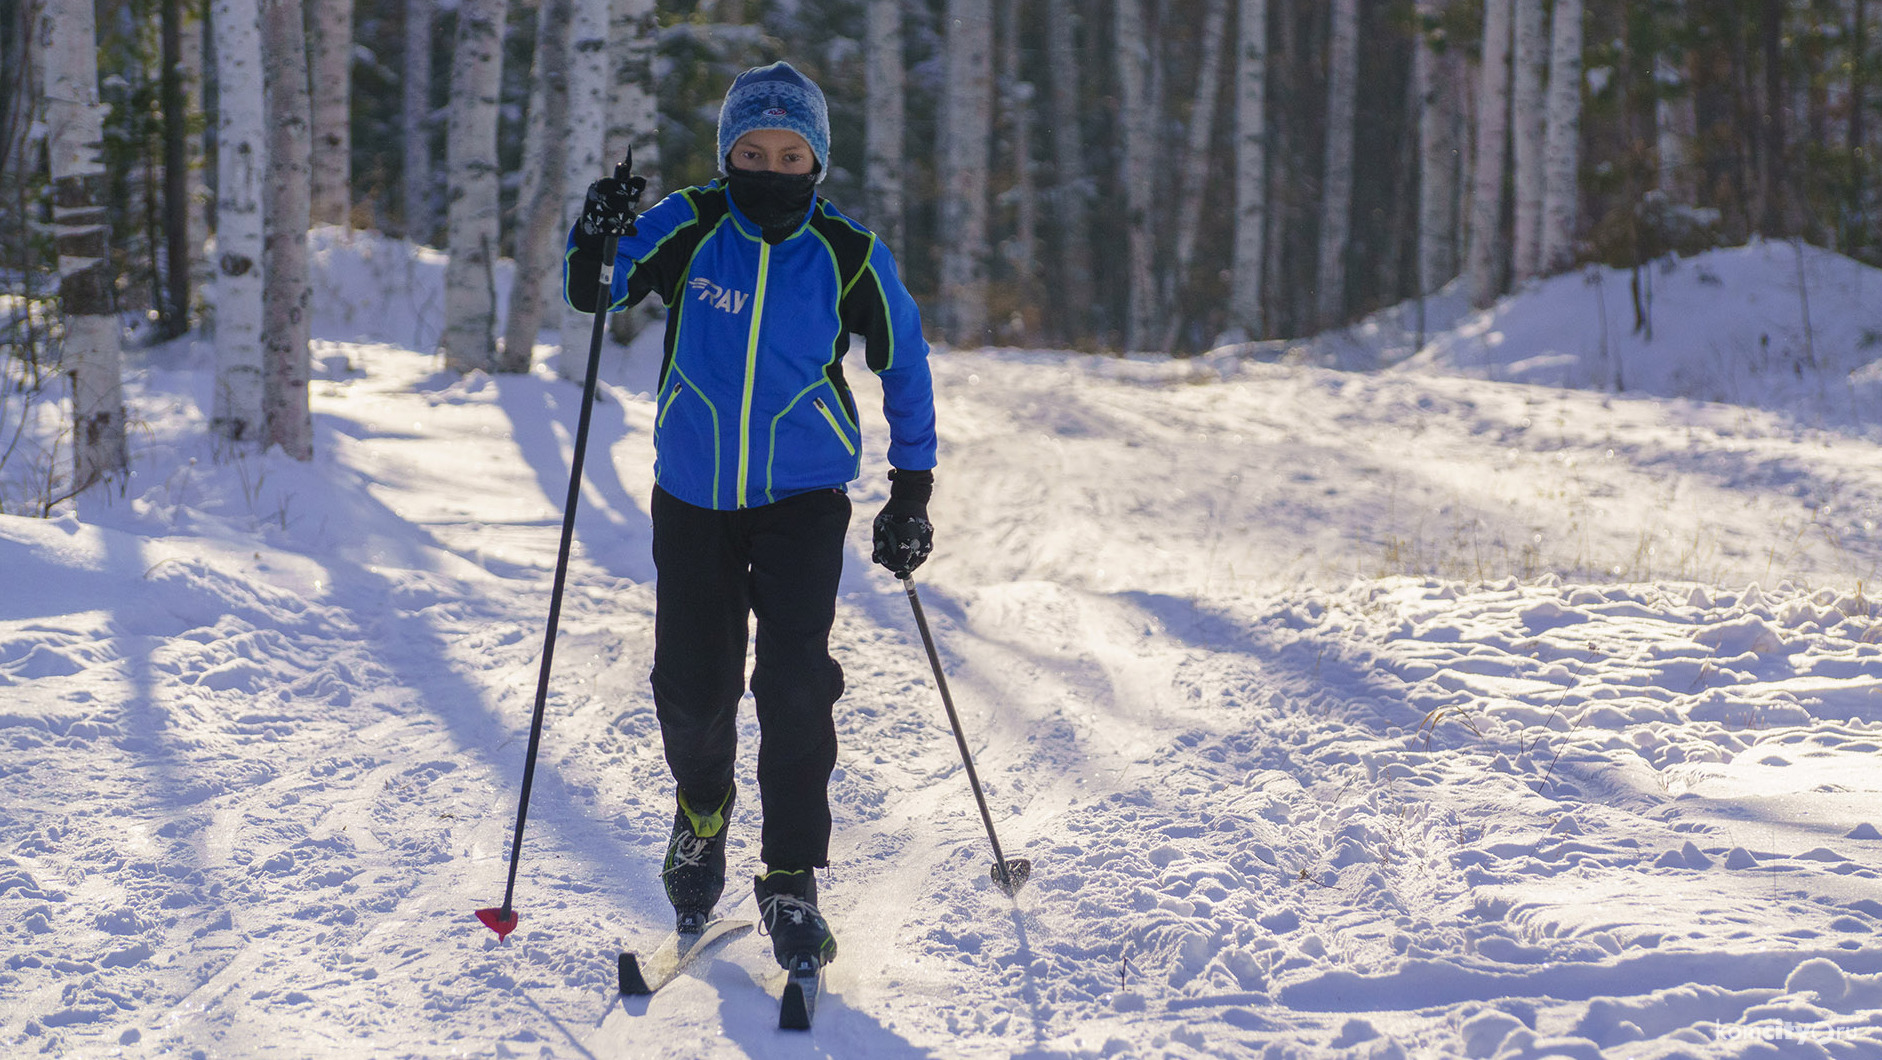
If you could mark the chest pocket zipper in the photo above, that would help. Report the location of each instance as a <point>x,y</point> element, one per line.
<point>830,418</point>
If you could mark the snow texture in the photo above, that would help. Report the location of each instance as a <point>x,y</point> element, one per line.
<point>1460,708</point>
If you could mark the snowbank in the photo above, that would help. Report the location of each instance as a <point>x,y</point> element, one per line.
<point>1769,325</point>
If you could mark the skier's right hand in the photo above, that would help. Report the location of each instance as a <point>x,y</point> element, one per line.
<point>611,207</point>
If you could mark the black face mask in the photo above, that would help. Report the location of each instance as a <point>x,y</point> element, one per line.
<point>775,202</point>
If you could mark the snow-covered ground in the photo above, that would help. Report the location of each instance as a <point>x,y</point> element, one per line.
<point>1428,711</point>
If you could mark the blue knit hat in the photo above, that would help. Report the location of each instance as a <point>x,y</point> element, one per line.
<point>776,97</point>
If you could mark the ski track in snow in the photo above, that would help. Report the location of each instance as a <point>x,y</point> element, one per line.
<point>1343,715</point>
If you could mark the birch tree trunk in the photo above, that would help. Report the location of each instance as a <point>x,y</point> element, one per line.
<point>1773,178</point>
<point>1675,125</point>
<point>1487,248</point>
<point>1137,170</point>
<point>1016,103</point>
<point>540,231</point>
<point>175,309</point>
<point>1438,162</point>
<point>1072,189</point>
<point>1526,135</point>
<point>1251,168</point>
<point>21,85</point>
<point>1195,168</point>
<point>1561,191</point>
<point>331,77</point>
<point>1860,233</point>
<point>1290,312</point>
<point>470,295</point>
<point>633,120</point>
<point>241,169</point>
<point>1745,110</point>
<point>287,209</point>
<point>1336,199</point>
<point>74,131</point>
<point>885,123</point>
<point>965,149</point>
<point>197,196</point>
<point>415,121</point>
<point>587,138</point>
<point>1457,74</point>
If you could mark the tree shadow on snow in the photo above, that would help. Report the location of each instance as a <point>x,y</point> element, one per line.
<point>615,533</point>
<point>1306,663</point>
<point>417,653</point>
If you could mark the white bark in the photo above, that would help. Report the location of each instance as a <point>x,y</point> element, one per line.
<point>1071,192</point>
<point>1456,75</point>
<point>1138,170</point>
<point>1195,169</point>
<point>885,123</point>
<point>287,299</point>
<point>1561,191</point>
<point>1675,125</point>
<point>25,83</point>
<point>1336,189</point>
<point>540,230</point>
<point>241,169</point>
<point>1016,104</point>
<point>1526,135</point>
<point>633,120</point>
<point>74,130</point>
<point>1438,163</point>
<point>1251,168</point>
<point>1487,247</point>
<point>470,296</point>
<point>633,110</point>
<point>415,119</point>
<point>330,61</point>
<point>197,195</point>
<point>587,138</point>
<point>965,149</point>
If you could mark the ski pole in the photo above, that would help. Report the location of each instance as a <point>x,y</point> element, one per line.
<point>1009,874</point>
<point>502,919</point>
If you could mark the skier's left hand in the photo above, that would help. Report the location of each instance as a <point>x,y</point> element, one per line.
<point>904,536</point>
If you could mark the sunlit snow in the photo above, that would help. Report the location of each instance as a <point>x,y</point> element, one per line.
<point>1350,701</point>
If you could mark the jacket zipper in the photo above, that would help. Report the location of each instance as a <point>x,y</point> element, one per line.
<point>830,417</point>
<point>751,371</point>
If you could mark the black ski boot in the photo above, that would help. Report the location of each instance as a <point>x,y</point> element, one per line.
<point>694,872</point>
<point>787,910</point>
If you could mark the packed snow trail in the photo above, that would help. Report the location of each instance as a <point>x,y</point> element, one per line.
<point>1355,715</point>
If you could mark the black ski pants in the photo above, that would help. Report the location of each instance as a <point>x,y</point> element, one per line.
<point>780,562</point>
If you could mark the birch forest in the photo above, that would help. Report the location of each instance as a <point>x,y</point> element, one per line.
<point>1099,175</point>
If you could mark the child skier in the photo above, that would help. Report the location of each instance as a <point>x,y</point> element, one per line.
<point>755,438</point>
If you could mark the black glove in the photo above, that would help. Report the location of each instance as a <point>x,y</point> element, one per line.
<point>610,209</point>
<point>904,536</point>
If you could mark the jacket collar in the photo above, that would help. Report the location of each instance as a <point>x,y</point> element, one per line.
<point>748,227</point>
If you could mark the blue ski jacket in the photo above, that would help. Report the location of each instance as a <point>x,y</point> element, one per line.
<point>753,406</point>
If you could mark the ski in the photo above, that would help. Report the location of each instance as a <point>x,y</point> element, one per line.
<point>674,953</point>
<point>798,1006</point>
